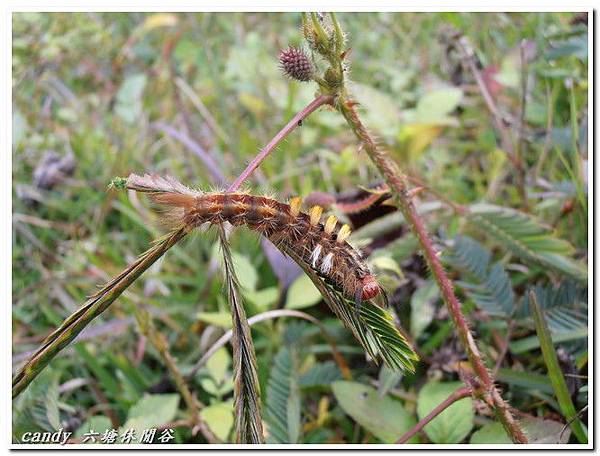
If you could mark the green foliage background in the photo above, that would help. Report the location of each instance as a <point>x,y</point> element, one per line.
<point>106,90</point>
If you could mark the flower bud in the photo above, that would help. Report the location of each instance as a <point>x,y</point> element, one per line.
<point>334,77</point>
<point>296,64</point>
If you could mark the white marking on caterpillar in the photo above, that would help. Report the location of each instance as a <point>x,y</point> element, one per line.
<point>314,256</point>
<point>327,263</point>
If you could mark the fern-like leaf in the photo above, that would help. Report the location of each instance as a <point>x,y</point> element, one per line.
<point>373,327</point>
<point>283,398</point>
<point>320,375</point>
<point>488,285</point>
<point>564,307</point>
<point>526,238</point>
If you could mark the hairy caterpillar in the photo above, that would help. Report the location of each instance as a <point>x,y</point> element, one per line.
<point>322,246</point>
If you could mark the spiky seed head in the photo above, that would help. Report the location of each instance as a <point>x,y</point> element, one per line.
<point>296,64</point>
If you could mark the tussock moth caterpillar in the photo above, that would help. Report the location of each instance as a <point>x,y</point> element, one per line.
<point>322,246</point>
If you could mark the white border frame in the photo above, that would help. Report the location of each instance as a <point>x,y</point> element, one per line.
<point>307,5</point>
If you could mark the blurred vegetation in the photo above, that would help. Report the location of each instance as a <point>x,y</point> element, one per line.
<point>98,95</point>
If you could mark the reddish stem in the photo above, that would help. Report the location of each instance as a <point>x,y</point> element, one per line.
<point>397,183</point>
<point>455,396</point>
<point>291,126</point>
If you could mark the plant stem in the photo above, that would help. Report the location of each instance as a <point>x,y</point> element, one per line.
<point>521,184</point>
<point>291,126</point>
<point>159,342</point>
<point>501,125</point>
<point>398,185</point>
<point>277,313</point>
<point>460,393</point>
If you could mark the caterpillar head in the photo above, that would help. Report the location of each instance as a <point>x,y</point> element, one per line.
<point>370,287</point>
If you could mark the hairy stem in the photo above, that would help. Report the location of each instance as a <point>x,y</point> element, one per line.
<point>291,126</point>
<point>455,396</point>
<point>398,185</point>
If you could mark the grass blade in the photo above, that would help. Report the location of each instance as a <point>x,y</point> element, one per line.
<point>556,377</point>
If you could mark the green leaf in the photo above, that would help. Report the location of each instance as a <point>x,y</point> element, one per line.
<point>554,372</point>
<point>384,417</point>
<point>188,52</point>
<point>263,299</point>
<point>105,377</point>
<point>509,74</point>
<point>381,110</point>
<point>528,380</point>
<point>538,431</point>
<point>388,379</point>
<point>522,234</point>
<point>491,433</point>
<point>546,431</point>
<point>129,103</point>
<point>219,418</point>
<point>386,263</point>
<point>19,127</point>
<point>533,342</point>
<point>487,284</point>
<point>51,401</point>
<point>566,265</point>
<point>283,398</point>
<point>577,46</point>
<point>220,319</point>
<point>422,307</point>
<point>96,423</point>
<point>150,411</point>
<point>455,422</point>
<point>245,271</point>
<point>468,255</point>
<point>220,381</point>
<point>321,375</point>
<point>434,107</point>
<point>218,365</point>
<point>565,307</point>
<point>302,294</point>
<point>132,88</point>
